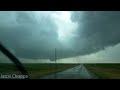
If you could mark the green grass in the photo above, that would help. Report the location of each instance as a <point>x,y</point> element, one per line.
<point>6,68</point>
<point>105,71</point>
<point>35,70</point>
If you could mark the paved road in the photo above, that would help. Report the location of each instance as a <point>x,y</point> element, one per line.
<point>78,72</point>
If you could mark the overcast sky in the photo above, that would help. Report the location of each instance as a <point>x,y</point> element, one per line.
<point>36,34</point>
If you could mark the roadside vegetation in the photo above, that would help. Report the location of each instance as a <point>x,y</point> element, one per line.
<point>105,71</point>
<point>35,71</point>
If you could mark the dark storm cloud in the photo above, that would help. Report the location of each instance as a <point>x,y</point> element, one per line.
<point>28,38</point>
<point>31,37</point>
<point>36,37</point>
<point>99,29</point>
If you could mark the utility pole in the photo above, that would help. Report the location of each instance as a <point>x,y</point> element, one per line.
<point>55,63</point>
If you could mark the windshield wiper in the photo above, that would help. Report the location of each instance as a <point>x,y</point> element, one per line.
<point>14,60</point>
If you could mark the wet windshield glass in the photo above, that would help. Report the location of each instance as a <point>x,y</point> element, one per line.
<point>46,42</point>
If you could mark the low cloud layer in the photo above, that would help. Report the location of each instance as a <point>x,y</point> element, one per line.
<point>96,30</point>
<point>35,35</point>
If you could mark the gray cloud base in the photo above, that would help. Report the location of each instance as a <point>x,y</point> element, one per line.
<point>32,38</point>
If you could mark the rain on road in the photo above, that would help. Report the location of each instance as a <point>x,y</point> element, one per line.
<point>78,72</point>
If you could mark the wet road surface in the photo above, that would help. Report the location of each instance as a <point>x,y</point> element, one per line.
<point>78,72</point>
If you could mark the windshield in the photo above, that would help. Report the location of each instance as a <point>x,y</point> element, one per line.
<point>49,42</point>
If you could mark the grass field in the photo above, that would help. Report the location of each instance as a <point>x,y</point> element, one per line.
<point>35,70</point>
<point>105,71</point>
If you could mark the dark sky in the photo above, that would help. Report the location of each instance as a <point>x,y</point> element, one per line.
<point>35,35</point>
